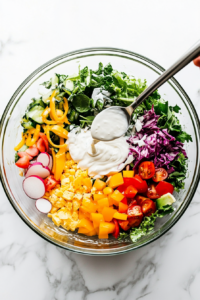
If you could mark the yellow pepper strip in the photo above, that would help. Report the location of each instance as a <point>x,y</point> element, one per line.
<point>45,115</point>
<point>58,130</point>
<point>54,161</point>
<point>53,109</point>
<point>32,140</point>
<point>20,144</point>
<point>47,129</point>
<point>60,161</point>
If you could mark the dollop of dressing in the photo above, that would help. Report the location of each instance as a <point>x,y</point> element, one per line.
<point>109,124</point>
<point>108,158</point>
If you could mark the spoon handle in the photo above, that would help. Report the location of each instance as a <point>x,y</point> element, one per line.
<point>176,67</point>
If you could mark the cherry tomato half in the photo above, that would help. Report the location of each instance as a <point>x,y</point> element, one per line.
<point>50,183</point>
<point>124,225</point>
<point>152,192</point>
<point>135,221</point>
<point>148,207</point>
<point>139,184</point>
<point>140,199</point>
<point>146,169</point>
<point>134,211</point>
<point>116,232</point>
<point>130,192</point>
<point>163,188</point>
<point>160,175</point>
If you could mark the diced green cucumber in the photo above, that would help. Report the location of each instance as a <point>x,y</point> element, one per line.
<point>23,148</point>
<point>69,85</point>
<point>54,80</point>
<point>167,199</point>
<point>35,103</point>
<point>28,125</point>
<point>35,114</point>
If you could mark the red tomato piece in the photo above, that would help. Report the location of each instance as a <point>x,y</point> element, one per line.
<point>135,221</point>
<point>32,151</point>
<point>45,140</point>
<point>130,192</point>
<point>140,185</point>
<point>164,187</point>
<point>41,145</point>
<point>133,202</point>
<point>152,192</point>
<point>140,199</point>
<point>50,183</point>
<point>160,175</point>
<point>22,154</point>
<point>134,211</point>
<point>148,207</point>
<point>116,232</point>
<point>127,181</point>
<point>125,200</point>
<point>23,162</point>
<point>196,61</point>
<point>124,225</point>
<point>146,169</point>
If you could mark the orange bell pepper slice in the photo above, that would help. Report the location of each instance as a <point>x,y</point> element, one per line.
<point>30,141</point>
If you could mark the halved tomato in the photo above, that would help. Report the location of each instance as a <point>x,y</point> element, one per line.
<point>196,61</point>
<point>148,207</point>
<point>50,183</point>
<point>140,199</point>
<point>146,169</point>
<point>41,145</point>
<point>124,225</point>
<point>134,211</point>
<point>160,175</point>
<point>152,193</point>
<point>135,221</point>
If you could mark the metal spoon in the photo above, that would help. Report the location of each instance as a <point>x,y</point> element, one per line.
<point>127,112</point>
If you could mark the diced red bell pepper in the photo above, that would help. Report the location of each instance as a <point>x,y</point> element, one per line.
<point>116,232</point>
<point>148,207</point>
<point>140,185</point>
<point>121,188</point>
<point>125,200</point>
<point>124,225</point>
<point>164,187</point>
<point>23,162</point>
<point>130,192</point>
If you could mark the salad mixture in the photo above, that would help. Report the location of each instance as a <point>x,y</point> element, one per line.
<point>123,186</point>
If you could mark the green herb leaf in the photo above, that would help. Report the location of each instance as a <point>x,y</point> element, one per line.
<point>81,103</point>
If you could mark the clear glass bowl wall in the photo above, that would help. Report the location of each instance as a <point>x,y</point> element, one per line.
<point>122,60</point>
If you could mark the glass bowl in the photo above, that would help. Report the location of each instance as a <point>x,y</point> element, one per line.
<point>122,60</point>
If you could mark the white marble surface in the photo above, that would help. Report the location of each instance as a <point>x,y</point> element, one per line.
<point>31,33</point>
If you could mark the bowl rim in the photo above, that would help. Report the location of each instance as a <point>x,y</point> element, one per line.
<point>84,51</point>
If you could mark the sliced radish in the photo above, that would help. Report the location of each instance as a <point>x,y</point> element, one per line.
<point>34,187</point>
<point>43,205</point>
<point>44,158</point>
<point>32,151</point>
<point>50,162</point>
<point>38,170</point>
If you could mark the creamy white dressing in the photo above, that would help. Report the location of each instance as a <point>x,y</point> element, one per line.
<point>109,124</point>
<point>109,158</point>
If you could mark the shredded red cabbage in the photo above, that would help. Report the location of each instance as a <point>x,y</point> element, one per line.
<point>159,146</point>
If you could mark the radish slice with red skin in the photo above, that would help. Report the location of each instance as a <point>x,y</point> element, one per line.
<point>44,158</point>
<point>50,162</point>
<point>43,205</point>
<point>34,187</point>
<point>38,169</point>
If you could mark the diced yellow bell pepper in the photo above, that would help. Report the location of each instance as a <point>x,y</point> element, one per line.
<point>85,223</point>
<point>129,174</point>
<point>88,183</point>
<point>108,190</point>
<point>83,230</point>
<point>106,228</point>
<point>83,214</point>
<point>117,196</point>
<point>98,196</point>
<point>103,202</point>
<point>116,180</point>
<point>90,207</point>
<point>120,216</point>
<point>99,184</point>
<point>97,218</point>
<point>108,213</point>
